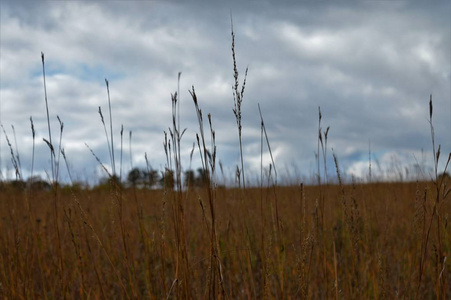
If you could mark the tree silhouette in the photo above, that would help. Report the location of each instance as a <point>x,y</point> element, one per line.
<point>135,176</point>
<point>150,178</point>
<point>190,178</point>
<point>167,181</point>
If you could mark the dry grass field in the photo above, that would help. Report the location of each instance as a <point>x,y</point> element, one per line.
<point>345,240</point>
<point>352,242</point>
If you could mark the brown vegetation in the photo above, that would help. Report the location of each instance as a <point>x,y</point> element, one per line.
<point>194,241</point>
<point>369,246</point>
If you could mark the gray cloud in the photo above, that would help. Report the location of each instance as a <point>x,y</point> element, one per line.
<point>370,66</point>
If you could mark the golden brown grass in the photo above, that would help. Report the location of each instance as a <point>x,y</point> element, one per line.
<point>370,248</point>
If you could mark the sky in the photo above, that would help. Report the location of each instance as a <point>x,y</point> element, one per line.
<point>370,66</point>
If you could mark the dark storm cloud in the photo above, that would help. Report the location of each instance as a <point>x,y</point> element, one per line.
<point>369,65</point>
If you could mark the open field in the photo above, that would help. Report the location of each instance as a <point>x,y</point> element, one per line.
<point>201,240</point>
<point>198,239</point>
<point>365,241</point>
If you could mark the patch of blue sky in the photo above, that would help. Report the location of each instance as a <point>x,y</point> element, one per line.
<point>51,69</point>
<point>96,73</point>
<point>363,156</point>
<point>82,71</point>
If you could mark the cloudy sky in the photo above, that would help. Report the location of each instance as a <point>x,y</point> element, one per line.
<point>369,65</point>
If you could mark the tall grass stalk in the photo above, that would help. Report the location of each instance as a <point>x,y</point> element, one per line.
<point>238,100</point>
<point>436,214</point>
<point>48,116</point>
<point>120,199</point>
<point>13,156</point>
<point>33,135</point>
<point>273,166</point>
<point>17,149</point>
<point>322,146</point>
<point>54,182</point>
<point>216,278</point>
<point>262,217</point>
<point>370,177</point>
<point>113,162</point>
<point>122,148</point>
<point>280,245</point>
<point>106,133</point>
<point>182,274</point>
<point>238,94</point>
<point>57,160</point>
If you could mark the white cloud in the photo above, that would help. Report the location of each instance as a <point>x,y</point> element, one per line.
<point>371,68</point>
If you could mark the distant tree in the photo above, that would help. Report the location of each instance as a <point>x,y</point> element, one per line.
<point>445,176</point>
<point>143,178</point>
<point>193,180</point>
<point>190,178</point>
<point>167,181</point>
<point>202,177</point>
<point>150,178</point>
<point>135,176</point>
<point>110,182</point>
<point>35,183</point>
<point>79,185</point>
<point>18,184</point>
<point>40,185</point>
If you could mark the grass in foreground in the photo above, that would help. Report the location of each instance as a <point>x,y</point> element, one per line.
<point>370,245</point>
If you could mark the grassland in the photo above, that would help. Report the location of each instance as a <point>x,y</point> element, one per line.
<point>367,243</point>
<point>345,240</point>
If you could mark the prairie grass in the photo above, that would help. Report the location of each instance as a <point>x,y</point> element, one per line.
<point>373,247</point>
<point>347,240</point>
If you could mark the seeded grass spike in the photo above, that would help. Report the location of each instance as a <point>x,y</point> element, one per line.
<point>33,133</point>
<point>49,142</point>
<point>238,99</point>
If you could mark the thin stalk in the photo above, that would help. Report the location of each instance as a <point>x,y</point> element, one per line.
<point>55,184</point>
<point>238,99</point>
<point>182,267</point>
<point>106,133</point>
<point>17,150</point>
<point>113,162</point>
<point>209,167</point>
<point>122,140</point>
<point>13,157</point>
<point>262,216</point>
<point>273,165</point>
<point>369,162</point>
<point>276,202</point>
<point>33,133</point>
<point>130,147</point>
<point>57,161</point>
<point>48,116</point>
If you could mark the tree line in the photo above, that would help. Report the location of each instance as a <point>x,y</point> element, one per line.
<point>137,178</point>
<point>144,178</point>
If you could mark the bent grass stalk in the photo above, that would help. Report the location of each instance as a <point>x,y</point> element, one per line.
<point>435,215</point>
<point>182,272</point>
<point>54,182</point>
<point>48,116</point>
<point>113,163</point>
<point>209,166</point>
